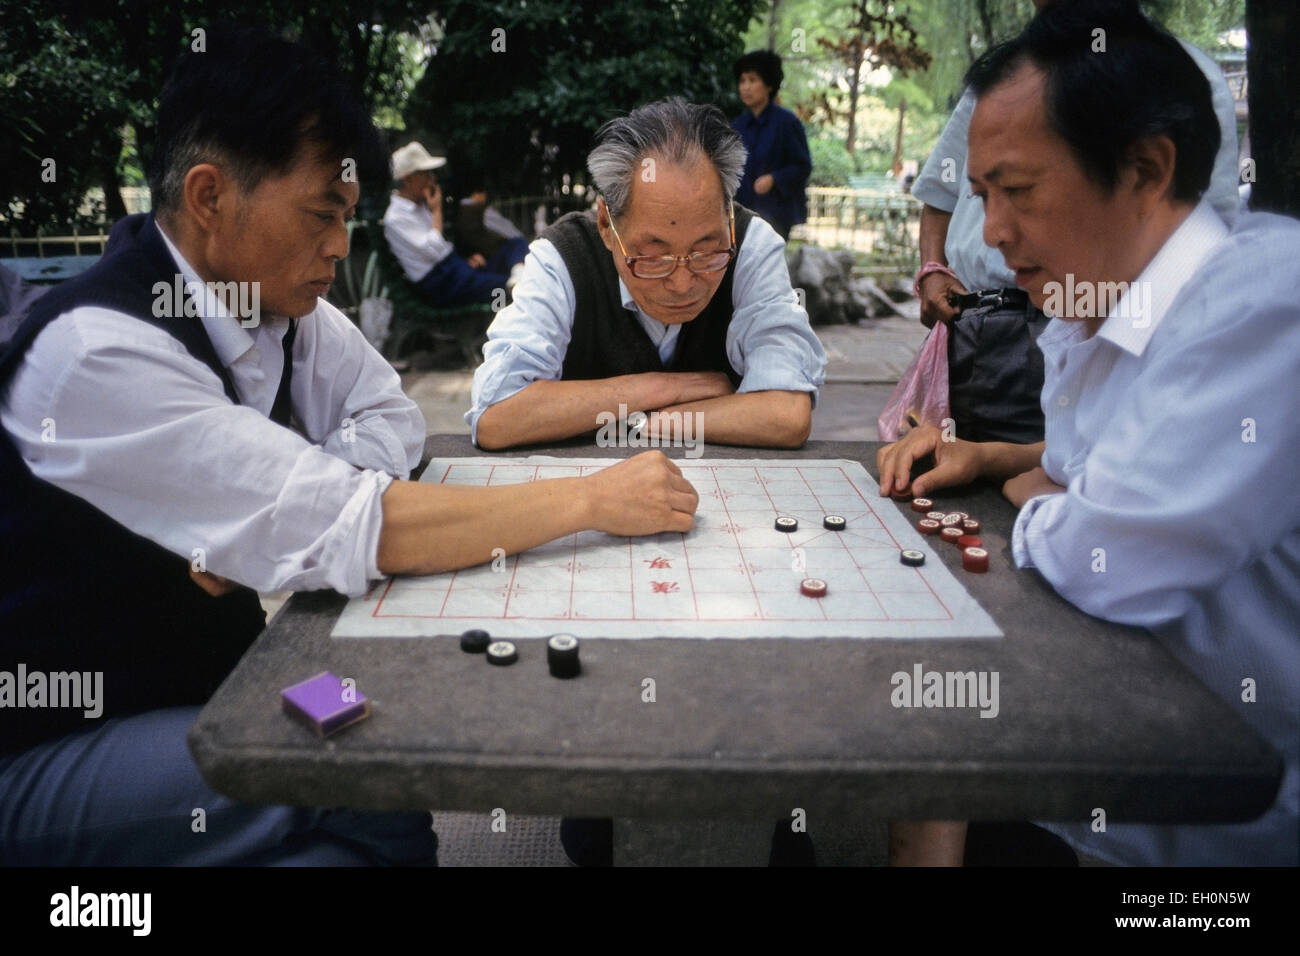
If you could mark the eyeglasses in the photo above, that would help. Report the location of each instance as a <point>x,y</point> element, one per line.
<point>661,267</point>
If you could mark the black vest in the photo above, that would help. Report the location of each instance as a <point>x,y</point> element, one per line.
<point>608,339</point>
<point>80,592</point>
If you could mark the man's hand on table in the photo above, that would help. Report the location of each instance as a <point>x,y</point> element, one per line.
<point>956,462</point>
<point>645,494</point>
<point>1030,484</point>
<point>429,529</point>
<point>959,462</point>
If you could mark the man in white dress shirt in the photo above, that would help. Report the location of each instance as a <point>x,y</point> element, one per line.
<point>669,300</point>
<point>189,422</point>
<point>413,226</point>
<point>1164,495</point>
<point>995,370</point>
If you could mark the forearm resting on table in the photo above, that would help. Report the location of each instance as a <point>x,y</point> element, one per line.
<point>1000,460</point>
<point>770,419</point>
<point>551,410</point>
<point>429,529</point>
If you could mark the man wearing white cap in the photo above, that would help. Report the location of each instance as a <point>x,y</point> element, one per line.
<point>413,228</point>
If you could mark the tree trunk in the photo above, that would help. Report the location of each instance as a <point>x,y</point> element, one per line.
<point>986,21</point>
<point>1273,78</point>
<point>897,165</point>
<point>773,21</point>
<point>855,72</point>
<point>114,207</point>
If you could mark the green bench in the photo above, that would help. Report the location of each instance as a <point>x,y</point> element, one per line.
<point>50,269</point>
<point>414,319</point>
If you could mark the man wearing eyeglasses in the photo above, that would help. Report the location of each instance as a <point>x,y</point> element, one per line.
<point>668,300</point>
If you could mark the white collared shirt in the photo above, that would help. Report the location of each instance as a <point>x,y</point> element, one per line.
<point>408,227</point>
<point>1176,433</point>
<point>144,431</point>
<point>769,342</point>
<point>944,184</point>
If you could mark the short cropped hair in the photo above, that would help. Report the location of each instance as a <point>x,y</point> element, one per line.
<point>763,62</point>
<point>1100,103</point>
<point>669,130</point>
<point>252,103</point>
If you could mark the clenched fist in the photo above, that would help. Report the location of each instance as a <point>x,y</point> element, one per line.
<point>645,494</point>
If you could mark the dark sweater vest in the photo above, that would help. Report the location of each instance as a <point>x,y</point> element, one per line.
<point>80,592</point>
<point>608,339</point>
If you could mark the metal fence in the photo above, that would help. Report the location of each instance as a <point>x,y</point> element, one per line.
<point>75,244</point>
<point>880,226</point>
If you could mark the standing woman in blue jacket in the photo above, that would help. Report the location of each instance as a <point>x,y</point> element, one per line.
<point>778,164</point>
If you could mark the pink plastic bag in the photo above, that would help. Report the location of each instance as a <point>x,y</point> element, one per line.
<point>922,392</point>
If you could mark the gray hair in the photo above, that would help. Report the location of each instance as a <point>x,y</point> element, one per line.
<point>671,130</point>
<point>187,152</point>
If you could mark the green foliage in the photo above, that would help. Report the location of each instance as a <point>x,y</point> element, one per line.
<point>956,32</point>
<point>59,102</point>
<point>832,165</point>
<point>1199,22</point>
<point>82,88</point>
<point>516,91</point>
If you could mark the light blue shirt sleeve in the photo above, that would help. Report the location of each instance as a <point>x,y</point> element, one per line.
<point>943,177</point>
<point>1222,191</point>
<point>1187,484</point>
<point>770,342</point>
<point>528,339</point>
<point>1181,514</point>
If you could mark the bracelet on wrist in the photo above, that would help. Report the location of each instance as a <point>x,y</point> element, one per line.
<point>929,269</point>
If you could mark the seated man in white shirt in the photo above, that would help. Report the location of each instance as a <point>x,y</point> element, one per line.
<point>670,299</point>
<point>995,370</point>
<point>413,227</point>
<point>189,422</point>
<point>1164,494</point>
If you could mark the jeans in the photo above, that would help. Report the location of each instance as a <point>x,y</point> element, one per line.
<point>127,793</point>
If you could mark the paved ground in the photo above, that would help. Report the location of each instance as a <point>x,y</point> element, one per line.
<point>864,362</point>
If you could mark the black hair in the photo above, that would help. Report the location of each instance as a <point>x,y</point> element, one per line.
<point>1100,103</point>
<point>766,64</point>
<point>253,102</point>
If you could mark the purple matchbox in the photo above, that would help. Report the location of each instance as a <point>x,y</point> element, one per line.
<point>325,704</point>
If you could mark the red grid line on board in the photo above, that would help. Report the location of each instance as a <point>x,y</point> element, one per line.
<point>758,603</point>
<point>510,588</point>
<point>631,576</point>
<point>894,540</point>
<point>695,595</point>
<point>573,559</point>
<point>839,538</point>
<point>714,472</point>
<point>763,484</point>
